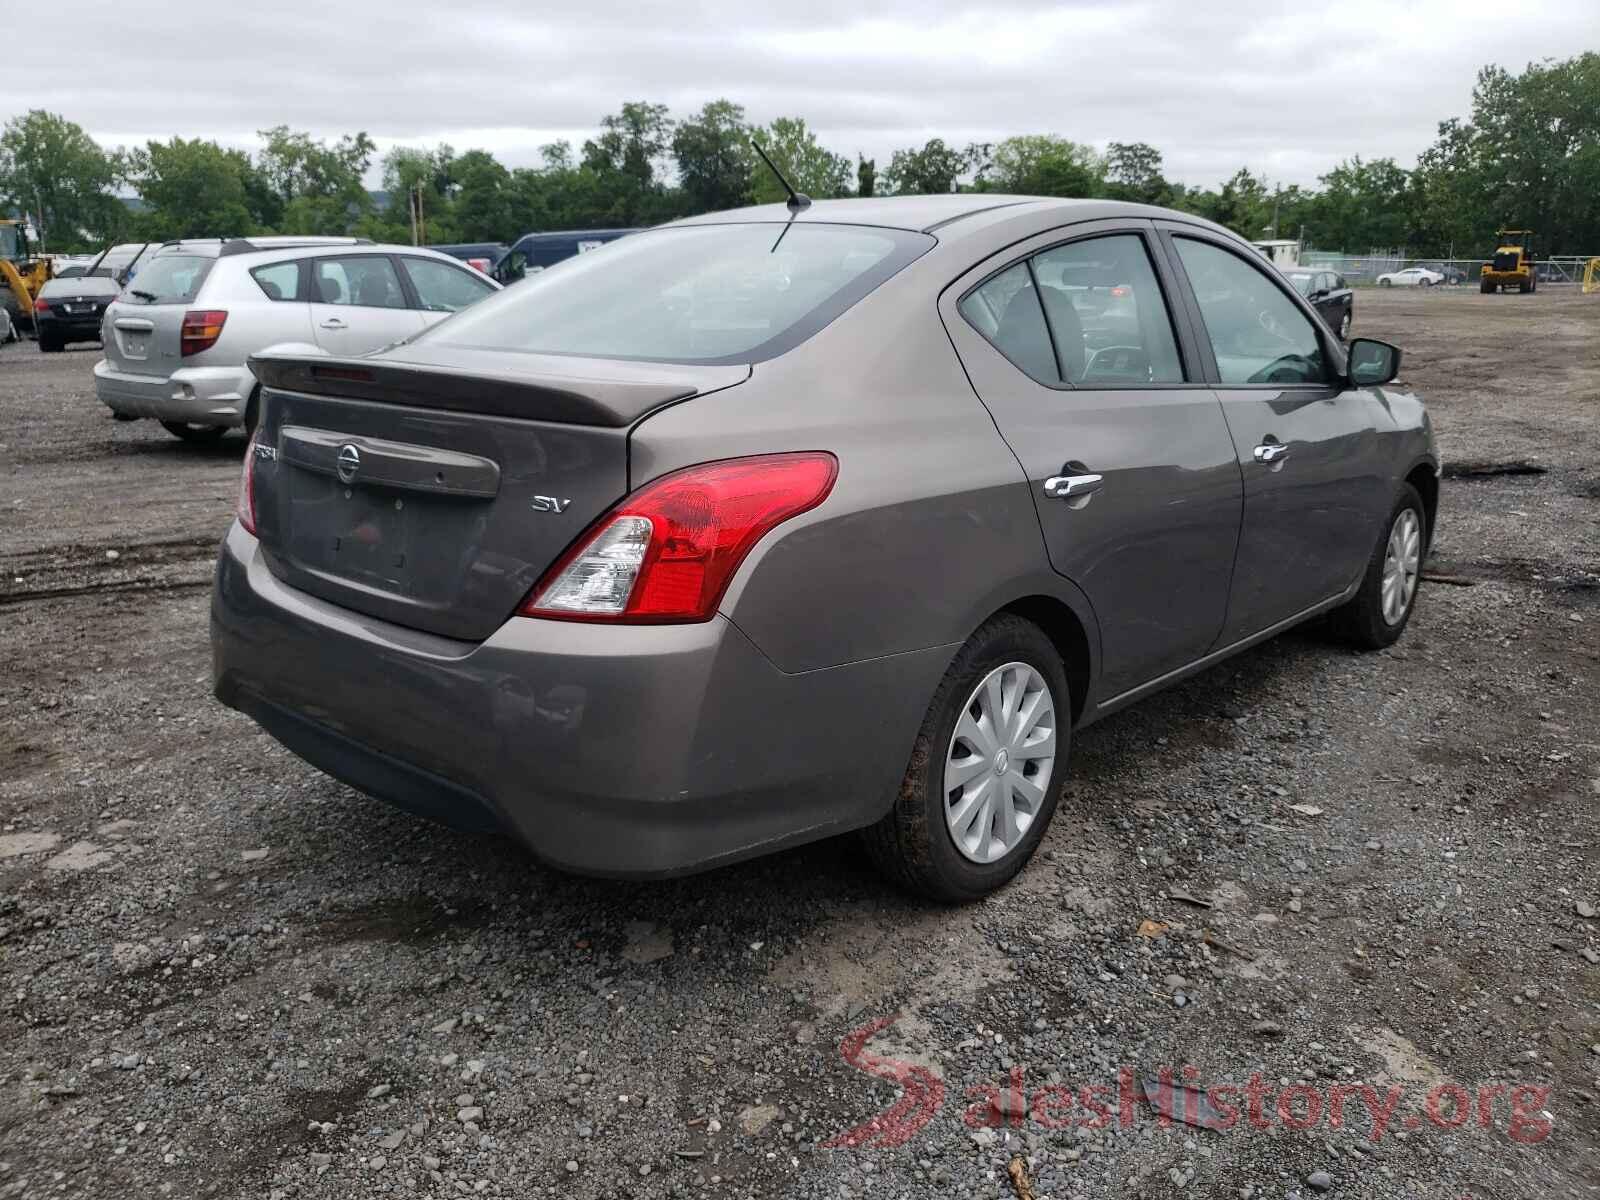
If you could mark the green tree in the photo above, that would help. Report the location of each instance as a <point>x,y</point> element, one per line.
<point>1043,165</point>
<point>932,170</point>
<point>1362,206</point>
<point>193,188</point>
<point>866,175</point>
<point>1133,172</point>
<point>52,169</point>
<point>620,167</point>
<point>311,186</point>
<point>712,149</point>
<point>805,163</point>
<point>483,200</point>
<point>414,176</point>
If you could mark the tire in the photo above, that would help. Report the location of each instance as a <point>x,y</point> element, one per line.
<point>49,345</point>
<point>1344,326</point>
<point>1385,283</point>
<point>1362,621</point>
<point>1486,287</point>
<point>1427,283</point>
<point>914,844</point>
<point>191,432</point>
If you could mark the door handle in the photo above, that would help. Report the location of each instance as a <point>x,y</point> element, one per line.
<point>1072,487</point>
<point>333,323</point>
<point>1271,452</point>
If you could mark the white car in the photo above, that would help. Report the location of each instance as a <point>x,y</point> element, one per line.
<point>178,338</point>
<point>1411,277</point>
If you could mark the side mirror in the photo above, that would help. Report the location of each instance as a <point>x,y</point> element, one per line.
<point>1372,362</point>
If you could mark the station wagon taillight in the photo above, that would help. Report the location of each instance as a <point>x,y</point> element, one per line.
<point>201,329</point>
<point>667,552</point>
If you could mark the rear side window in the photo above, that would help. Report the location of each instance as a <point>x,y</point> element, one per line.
<point>1006,311</point>
<point>694,294</point>
<point>443,288</point>
<point>1107,313</point>
<point>170,278</point>
<point>367,280</point>
<point>279,281</point>
<point>1256,332</point>
<point>1089,313</point>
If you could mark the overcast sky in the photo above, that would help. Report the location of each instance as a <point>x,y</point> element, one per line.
<point>1287,89</point>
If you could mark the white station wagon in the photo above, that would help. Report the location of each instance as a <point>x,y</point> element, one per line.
<point>178,339</point>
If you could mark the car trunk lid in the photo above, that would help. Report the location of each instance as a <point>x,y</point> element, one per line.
<point>434,490</point>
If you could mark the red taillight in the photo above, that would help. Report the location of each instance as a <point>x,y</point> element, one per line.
<point>1121,290</point>
<point>245,506</point>
<point>667,552</point>
<point>41,306</point>
<point>201,329</point>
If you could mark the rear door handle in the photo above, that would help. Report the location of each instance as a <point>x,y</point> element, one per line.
<point>1070,487</point>
<point>1271,452</point>
<point>333,323</point>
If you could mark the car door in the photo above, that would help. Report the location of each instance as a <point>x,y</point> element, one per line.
<point>439,288</point>
<point>1310,447</point>
<point>358,304</point>
<point>1070,342</point>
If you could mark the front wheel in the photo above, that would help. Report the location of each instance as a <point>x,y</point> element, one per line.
<point>1378,613</point>
<point>1385,282</point>
<point>986,768</point>
<point>193,431</point>
<point>50,345</point>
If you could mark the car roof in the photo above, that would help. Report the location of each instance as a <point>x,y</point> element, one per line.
<point>949,215</point>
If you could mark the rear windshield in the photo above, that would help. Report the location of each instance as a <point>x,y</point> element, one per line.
<point>694,294</point>
<point>169,278</point>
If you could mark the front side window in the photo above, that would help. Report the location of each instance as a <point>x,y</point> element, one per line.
<point>367,280</point>
<point>170,278</point>
<point>1256,332</point>
<point>279,281</point>
<point>694,294</point>
<point>443,288</point>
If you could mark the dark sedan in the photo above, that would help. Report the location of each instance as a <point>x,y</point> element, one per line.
<point>1328,294</point>
<point>71,309</point>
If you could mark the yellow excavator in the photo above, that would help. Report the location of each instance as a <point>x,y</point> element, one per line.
<point>22,272</point>
<point>1512,264</point>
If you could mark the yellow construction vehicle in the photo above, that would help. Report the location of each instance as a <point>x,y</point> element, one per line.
<point>22,273</point>
<point>1591,277</point>
<point>1512,264</point>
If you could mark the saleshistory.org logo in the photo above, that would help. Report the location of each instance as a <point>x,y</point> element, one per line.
<point>1178,1096</point>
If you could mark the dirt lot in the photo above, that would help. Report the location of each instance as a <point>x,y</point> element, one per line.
<point>223,974</point>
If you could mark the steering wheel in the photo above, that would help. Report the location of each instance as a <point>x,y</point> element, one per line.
<point>1135,363</point>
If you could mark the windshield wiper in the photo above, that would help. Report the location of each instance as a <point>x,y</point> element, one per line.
<point>150,296</point>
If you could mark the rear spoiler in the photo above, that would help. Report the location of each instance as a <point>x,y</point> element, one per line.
<point>534,387</point>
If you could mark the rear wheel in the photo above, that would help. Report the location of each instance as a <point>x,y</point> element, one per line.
<point>1485,287</point>
<point>1377,614</point>
<point>193,431</point>
<point>986,768</point>
<point>1385,282</point>
<point>1425,282</point>
<point>50,345</point>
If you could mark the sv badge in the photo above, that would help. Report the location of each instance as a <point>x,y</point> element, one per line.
<point>551,504</point>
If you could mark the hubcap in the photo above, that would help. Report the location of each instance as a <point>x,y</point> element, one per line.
<point>999,762</point>
<point>1402,559</point>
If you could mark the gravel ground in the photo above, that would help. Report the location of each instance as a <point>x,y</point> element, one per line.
<point>224,974</point>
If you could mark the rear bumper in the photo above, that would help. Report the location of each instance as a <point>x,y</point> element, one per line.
<point>208,395</point>
<point>70,328</point>
<point>609,750</point>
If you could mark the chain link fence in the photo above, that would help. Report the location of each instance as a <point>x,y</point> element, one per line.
<point>1364,270</point>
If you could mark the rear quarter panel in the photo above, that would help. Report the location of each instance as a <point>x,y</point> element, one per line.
<point>930,527</point>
